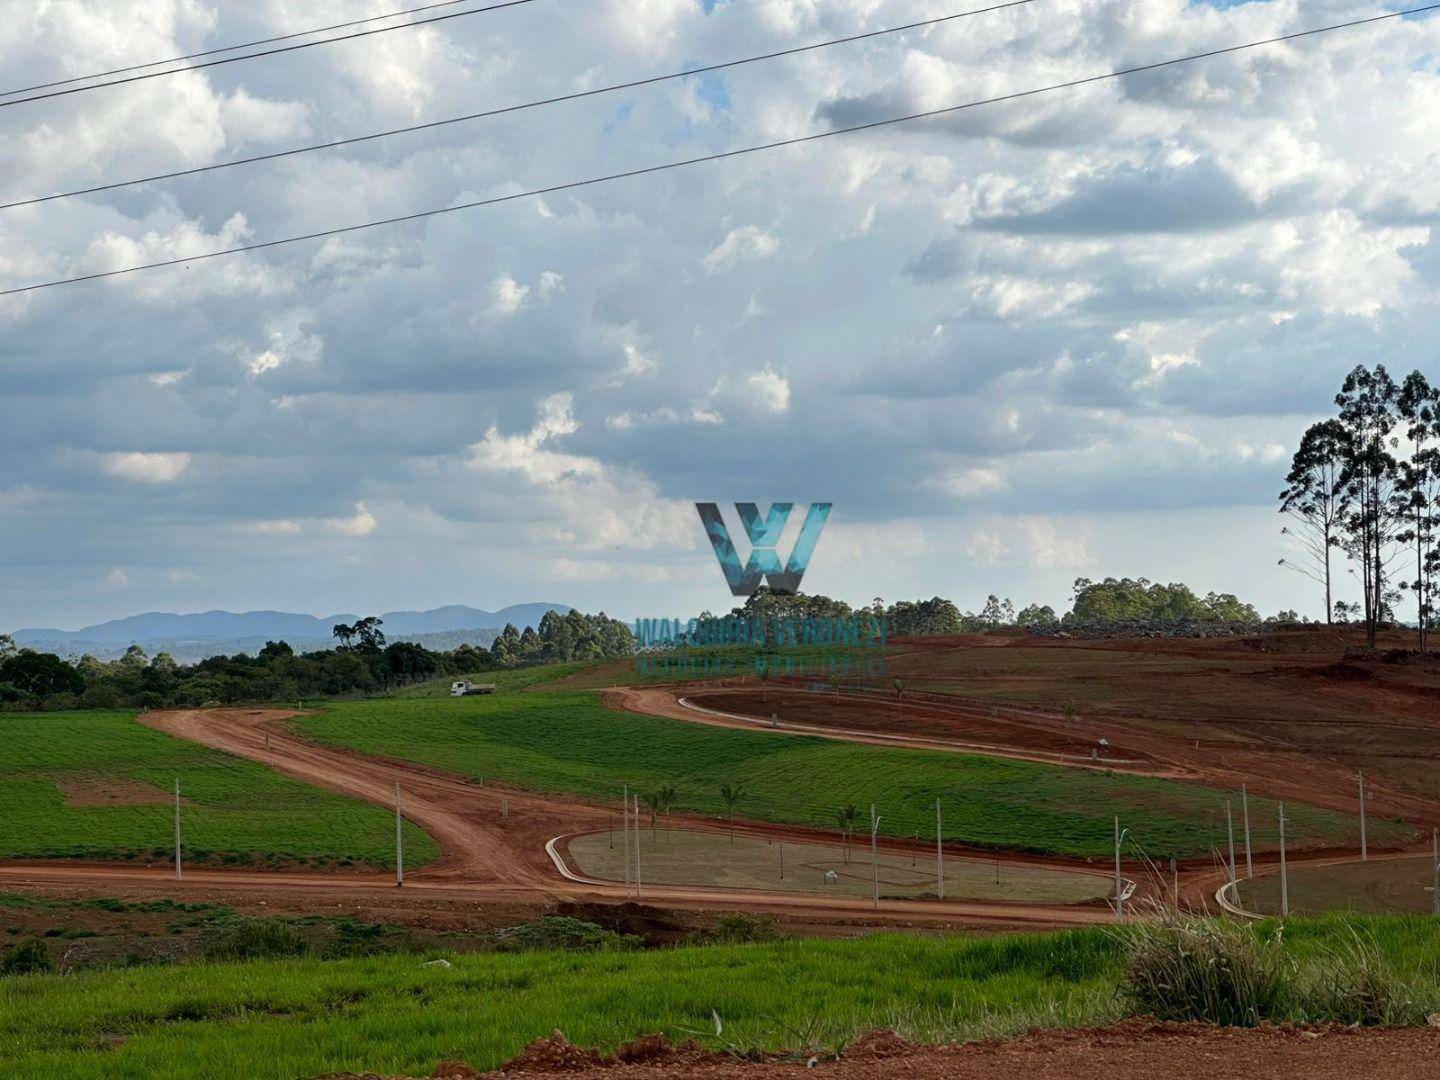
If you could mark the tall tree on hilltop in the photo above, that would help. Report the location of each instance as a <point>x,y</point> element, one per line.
<point>1418,490</point>
<point>1317,501</point>
<point>1367,403</point>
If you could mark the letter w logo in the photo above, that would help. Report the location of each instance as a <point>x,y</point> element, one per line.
<point>764,534</point>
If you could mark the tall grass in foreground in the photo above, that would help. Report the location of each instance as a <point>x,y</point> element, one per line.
<point>392,1014</point>
<point>1180,967</point>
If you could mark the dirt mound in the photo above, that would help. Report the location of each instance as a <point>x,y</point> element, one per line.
<point>454,1070</point>
<point>559,1054</point>
<point>877,1045</point>
<point>1345,672</point>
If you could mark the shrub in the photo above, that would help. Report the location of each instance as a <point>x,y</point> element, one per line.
<point>1354,984</point>
<point>560,932</point>
<point>737,928</point>
<point>240,938</point>
<point>1181,968</point>
<point>25,959</point>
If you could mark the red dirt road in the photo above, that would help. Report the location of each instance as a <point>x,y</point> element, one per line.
<point>484,857</point>
<point>1026,733</point>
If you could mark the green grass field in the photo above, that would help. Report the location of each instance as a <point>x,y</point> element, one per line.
<point>672,666</point>
<point>98,785</point>
<point>570,743</point>
<point>274,1019</point>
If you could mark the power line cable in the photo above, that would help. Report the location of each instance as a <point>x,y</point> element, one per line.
<point>725,154</point>
<point>267,52</point>
<point>231,48</point>
<point>575,96</point>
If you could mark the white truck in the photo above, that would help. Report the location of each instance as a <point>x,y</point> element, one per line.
<point>465,688</point>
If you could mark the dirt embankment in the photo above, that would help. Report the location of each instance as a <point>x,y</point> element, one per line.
<point>1132,1050</point>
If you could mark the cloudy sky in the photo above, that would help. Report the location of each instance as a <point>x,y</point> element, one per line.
<point>1077,334</point>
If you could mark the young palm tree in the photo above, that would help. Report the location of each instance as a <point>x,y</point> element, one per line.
<point>654,802</point>
<point>847,825</point>
<point>667,803</point>
<point>732,794</point>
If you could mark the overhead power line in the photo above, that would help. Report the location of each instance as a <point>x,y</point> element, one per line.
<point>231,48</point>
<point>54,93</point>
<point>728,154</point>
<point>688,73</point>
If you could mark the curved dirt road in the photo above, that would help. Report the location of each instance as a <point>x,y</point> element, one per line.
<point>1268,770</point>
<point>484,856</point>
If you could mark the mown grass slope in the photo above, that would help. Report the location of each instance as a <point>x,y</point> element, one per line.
<point>97,785</point>
<point>392,1015</point>
<point>570,743</point>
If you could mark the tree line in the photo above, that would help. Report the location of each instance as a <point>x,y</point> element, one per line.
<point>1111,602</point>
<point>361,663</point>
<point>1365,484</point>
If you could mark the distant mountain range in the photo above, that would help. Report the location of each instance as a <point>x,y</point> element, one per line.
<point>213,633</point>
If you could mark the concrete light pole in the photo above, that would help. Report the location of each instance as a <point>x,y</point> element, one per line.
<point>1360,780</point>
<point>939,851</point>
<point>1284,877</point>
<point>636,807</point>
<point>177,828</point>
<point>1435,871</point>
<point>874,854</point>
<point>1245,806</point>
<point>1230,834</point>
<point>399,840</point>
<point>1119,882</point>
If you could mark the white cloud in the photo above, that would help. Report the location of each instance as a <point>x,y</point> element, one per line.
<point>361,523</point>
<point>746,244</point>
<point>179,576</point>
<point>1056,545</point>
<point>527,454</point>
<point>278,527</point>
<point>507,295</point>
<point>117,578</point>
<point>769,390</point>
<point>146,468</point>
<point>972,483</point>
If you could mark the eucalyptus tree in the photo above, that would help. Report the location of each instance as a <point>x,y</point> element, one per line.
<point>1418,490</point>
<point>1369,412</point>
<point>1317,501</point>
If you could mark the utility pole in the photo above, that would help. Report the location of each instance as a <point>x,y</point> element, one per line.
<point>1119,895</point>
<point>939,851</point>
<point>625,831</point>
<point>1230,833</point>
<point>874,854</point>
<point>1435,871</point>
<point>1245,806</point>
<point>782,860</point>
<point>177,828</point>
<point>1360,779</point>
<point>1284,877</point>
<point>399,841</point>
<point>638,893</point>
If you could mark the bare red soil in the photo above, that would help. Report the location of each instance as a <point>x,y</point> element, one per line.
<point>1292,715</point>
<point>1132,1050</point>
